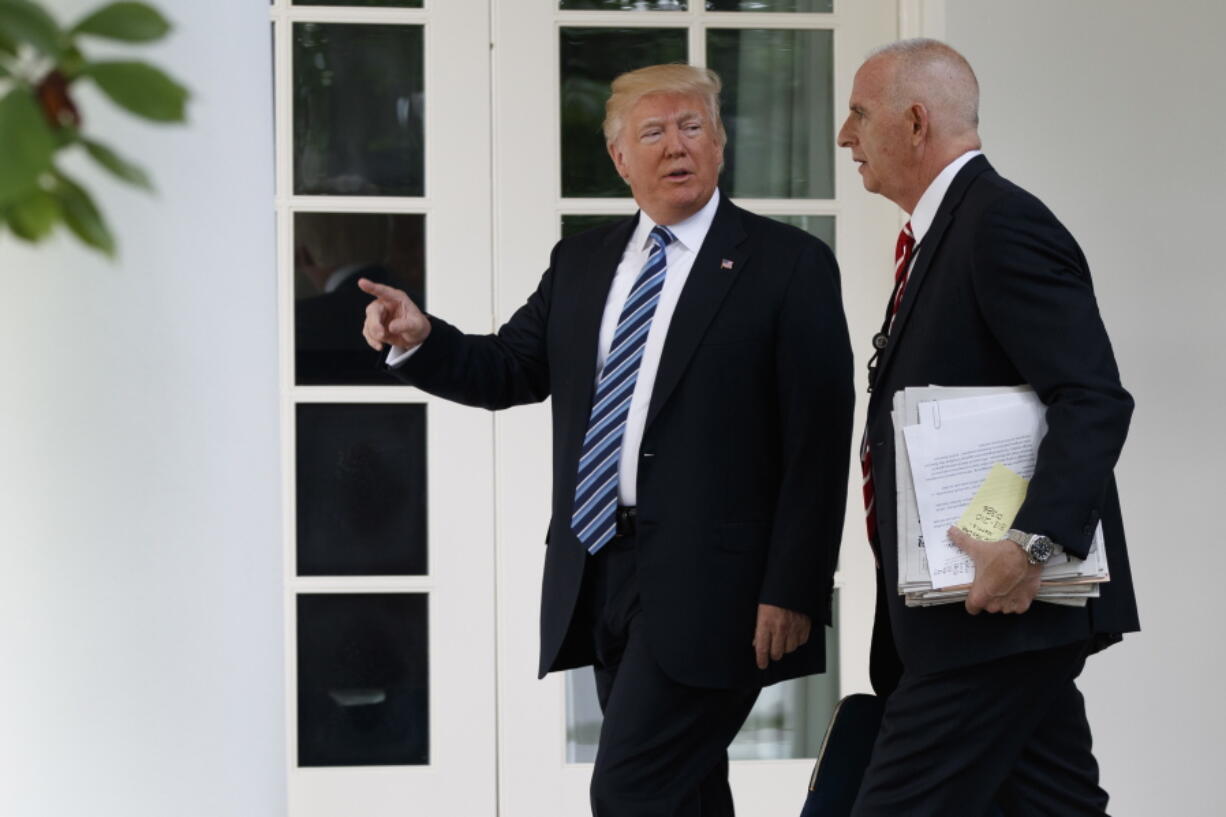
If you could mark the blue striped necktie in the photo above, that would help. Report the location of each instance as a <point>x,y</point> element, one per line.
<point>594,519</point>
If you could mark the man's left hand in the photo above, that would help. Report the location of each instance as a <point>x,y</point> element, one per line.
<point>779,632</point>
<point>1005,580</point>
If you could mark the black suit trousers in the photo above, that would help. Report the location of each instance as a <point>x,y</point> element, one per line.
<point>1011,731</point>
<point>663,748</point>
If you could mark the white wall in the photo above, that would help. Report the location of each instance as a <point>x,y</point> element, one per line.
<point>1112,112</point>
<point>140,592</point>
<point>140,552</point>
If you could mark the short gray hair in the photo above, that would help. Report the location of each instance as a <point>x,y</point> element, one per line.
<point>934,73</point>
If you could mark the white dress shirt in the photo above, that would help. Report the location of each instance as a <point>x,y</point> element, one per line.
<point>680,257</point>
<point>340,275</point>
<point>926,208</point>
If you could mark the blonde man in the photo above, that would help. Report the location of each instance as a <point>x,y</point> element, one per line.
<point>700,374</point>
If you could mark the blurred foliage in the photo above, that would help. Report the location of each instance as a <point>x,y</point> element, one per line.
<point>41,64</point>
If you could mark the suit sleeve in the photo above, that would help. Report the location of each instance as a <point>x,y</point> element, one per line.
<point>1033,287</point>
<point>815,399</point>
<point>495,371</point>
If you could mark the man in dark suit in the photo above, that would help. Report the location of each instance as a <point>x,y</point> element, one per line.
<point>990,290</point>
<point>700,370</point>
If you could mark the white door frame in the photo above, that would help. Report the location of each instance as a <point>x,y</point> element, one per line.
<point>461,777</point>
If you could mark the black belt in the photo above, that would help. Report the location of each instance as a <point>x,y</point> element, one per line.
<point>627,521</point>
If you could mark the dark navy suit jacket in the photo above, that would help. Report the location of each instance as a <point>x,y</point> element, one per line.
<point>1000,294</point>
<point>743,469</point>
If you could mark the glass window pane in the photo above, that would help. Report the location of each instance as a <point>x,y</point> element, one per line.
<point>591,59</point>
<point>331,252</point>
<point>407,4</point>
<point>363,680</point>
<point>361,489</point>
<point>808,6</point>
<point>788,720</point>
<point>359,108</point>
<point>583,717</point>
<point>577,224</point>
<point>820,226</point>
<point>778,109</point>
<point>623,5</point>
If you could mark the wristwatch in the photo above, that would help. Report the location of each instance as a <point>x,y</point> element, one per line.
<point>1038,548</point>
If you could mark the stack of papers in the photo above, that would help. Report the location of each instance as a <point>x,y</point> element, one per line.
<point>963,458</point>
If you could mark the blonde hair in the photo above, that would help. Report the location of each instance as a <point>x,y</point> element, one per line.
<point>673,78</point>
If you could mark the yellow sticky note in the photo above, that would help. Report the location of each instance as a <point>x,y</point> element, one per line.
<point>995,505</point>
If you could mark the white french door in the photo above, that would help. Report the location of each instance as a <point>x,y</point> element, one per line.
<point>383,135</point>
<point>444,146</point>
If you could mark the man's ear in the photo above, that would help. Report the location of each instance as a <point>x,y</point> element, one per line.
<point>616,155</point>
<point>917,120</point>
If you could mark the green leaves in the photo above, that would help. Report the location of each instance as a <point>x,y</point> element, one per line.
<point>25,21</point>
<point>7,44</point>
<point>39,116</point>
<point>129,22</point>
<point>82,215</point>
<point>119,166</point>
<point>34,216</point>
<point>140,88</point>
<point>28,144</point>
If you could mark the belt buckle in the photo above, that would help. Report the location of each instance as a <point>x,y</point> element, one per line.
<point>627,521</point>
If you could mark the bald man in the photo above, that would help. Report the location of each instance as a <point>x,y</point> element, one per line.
<point>991,290</point>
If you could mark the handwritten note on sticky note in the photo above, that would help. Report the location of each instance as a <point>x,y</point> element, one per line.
<point>995,505</point>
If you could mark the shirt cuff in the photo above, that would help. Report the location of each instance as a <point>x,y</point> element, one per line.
<point>398,356</point>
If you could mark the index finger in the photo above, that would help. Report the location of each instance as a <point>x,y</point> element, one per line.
<point>378,290</point>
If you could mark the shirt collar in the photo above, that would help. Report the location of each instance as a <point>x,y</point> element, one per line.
<point>690,233</point>
<point>340,275</point>
<point>926,208</point>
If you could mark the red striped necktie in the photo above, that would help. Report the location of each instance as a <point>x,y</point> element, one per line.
<point>904,251</point>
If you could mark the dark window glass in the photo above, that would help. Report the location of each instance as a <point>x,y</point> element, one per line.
<point>809,6</point>
<point>331,252</point>
<point>623,5</point>
<point>361,490</point>
<point>363,680</point>
<point>591,59</point>
<point>577,224</point>
<point>778,109</point>
<point>359,110</point>
<point>820,226</point>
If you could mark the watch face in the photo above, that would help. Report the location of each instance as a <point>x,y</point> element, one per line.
<point>1040,549</point>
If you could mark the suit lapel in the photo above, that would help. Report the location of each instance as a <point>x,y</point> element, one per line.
<point>586,309</point>
<point>929,248</point>
<point>590,305</point>
<point>704,291</point>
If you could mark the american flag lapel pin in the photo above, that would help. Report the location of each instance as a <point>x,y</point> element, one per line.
<point>726,264</point>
